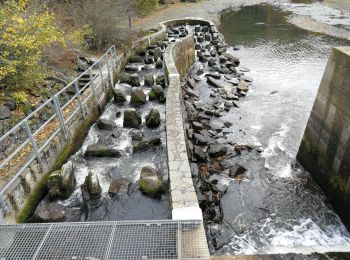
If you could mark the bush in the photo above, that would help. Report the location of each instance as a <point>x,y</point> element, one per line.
<point>20,97</point>
<point>146,7</point>
<point>24,33</point>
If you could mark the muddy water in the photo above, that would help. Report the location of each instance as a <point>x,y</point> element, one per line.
<point>280,204</point>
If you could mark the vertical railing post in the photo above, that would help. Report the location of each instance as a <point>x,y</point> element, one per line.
<point>101,75</point>
<point>59,116</point>
<point>32,140</point>
<point>109,72</point>
<point>92,85</point>
<point>79,98</point>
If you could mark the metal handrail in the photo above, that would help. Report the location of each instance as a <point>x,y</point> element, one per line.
<point>100,66</point>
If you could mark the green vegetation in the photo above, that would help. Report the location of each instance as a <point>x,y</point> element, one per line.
<point>146,7</point>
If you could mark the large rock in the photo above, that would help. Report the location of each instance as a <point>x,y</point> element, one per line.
<point>5,112</point>
<point>159,63</point>
<point>93,186</point>
<point>157,93</point>
<point>105,124</point>
<point>150,182</point>
<point>48,212</point>
<point>61,184</point>
<point>214,82</point>
<point>10,103</point>
<point>158,53</point>
<point>243,86</point>
<point>138,97</point>
<point>149,59</point>
<point>132,118</point>
<point>101,151</point>
<point>231,58</point>
<point>119,96</point>
<point>161,80</point>
<point>136,59</point>
<point>131,79</point>
<point>119,186</point>
<point>149,80</point>
<point>146,144</point>
<point>216,150</point>
<point>153,118</point>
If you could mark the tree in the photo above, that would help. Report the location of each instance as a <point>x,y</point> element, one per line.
<point>24,33</point>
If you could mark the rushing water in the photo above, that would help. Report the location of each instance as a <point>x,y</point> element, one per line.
<point>280,205</point>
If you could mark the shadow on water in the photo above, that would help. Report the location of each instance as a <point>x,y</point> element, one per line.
<point>280,204</point>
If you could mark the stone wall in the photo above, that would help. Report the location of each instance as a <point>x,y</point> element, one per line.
<point>325,148</point>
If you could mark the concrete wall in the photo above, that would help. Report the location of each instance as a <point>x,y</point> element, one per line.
<point>325,148</point>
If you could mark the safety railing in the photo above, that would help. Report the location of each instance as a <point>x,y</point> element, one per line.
<point>28,139</point>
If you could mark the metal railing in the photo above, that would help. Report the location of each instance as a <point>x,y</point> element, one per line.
<point>124,240</point>
<point>55,113</point>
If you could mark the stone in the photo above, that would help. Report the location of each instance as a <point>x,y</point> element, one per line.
<point>10,104</point>
<point>131,68</point>
<point>136,135</point>
<point>105,124</point>
<point>228,124</point>
<point>212,62</point>
<point>93,186</point>
<point>243,86</point>
<point>119,96</point>
<point>216,150</point>
<point>157,93</point>
<point>158,53</point>
<point>194,170</point>
<point>153,118</point>
<point>116,133</point>
<point>50,212</point>
<point>149,80</point>
<point>237,170</point>
<point>199,154</point>
<point>222,59</point>
<point>119,186</point>
<point>161,80</point>
<point>197,126</point>
<point>101,151</point>
<point>197,78</point>
<point>5,112</point>
<point>200,139</point>
<point>138,97</point>
<point>149,59</point>
<point>191,83</point>
<point>132,118</point>
<point>150,182</point>
<point>247,78</point>
<point>219,183</point>
<point>231,58</point>
<point>214,82</point>
<point>118,113</point>
<point>159,63</point>
<point>136,59</point>
<point>131,79</point>
<point>146,144</point>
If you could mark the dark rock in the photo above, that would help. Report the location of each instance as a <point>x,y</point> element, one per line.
<point>159,63</point>
<point>146,144</point>
<point>102,150</point>
<point>212,62</point>
<point>197,126</point>
<point>93,187</point>
<point>199,154</point>
<point>214,82</point>
<point>136,59</point>
<point>158,53</point>
<point>161,80</point>
<point>237,170</point>
<point>149,59</point>
<point>191,83</point>
<point>231,58</point>
<point>118,113</point>
<point>138,97</point>
<point>132,118</point>
<point>149,80</point>
<point>131,68</point>
<point>48,212</point>
<point>228,124</point>
<point>136,135</point>
<point>200,139</point>
<point>10,103</point>
<point>157,93</point>
<point>5,112</point>
<point>153,118</point>
<point>119,186</point>
<point>219,183</point>
<point>105,124</point>
<point>216,150</point>
<point>150,182</point>
<point>132,80</point>
<point>119,96</point>
<point>194,170</point>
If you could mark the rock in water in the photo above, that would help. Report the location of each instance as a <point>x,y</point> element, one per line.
<point>216,150</point>
<point>153,118</point>
<point>93,187</point>
<point>105,124</point>
<point>150,182</point>
<point>243,86</point>
<point>48,212</point>
<point>158,53</point>
<point>137,97</point>
<point>146,144</point>
<point>214,82</point>
<point>102,150</point>
<point>157,93</point>
<point>149,80</point>
<point>119,186</point>
<point>159,63</point>
<point>231,58</point>
<point>132,118</point>
<point>160,80</point>
<point>119,96</point>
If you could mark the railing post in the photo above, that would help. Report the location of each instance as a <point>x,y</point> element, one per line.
<point>92,85</point>
<point>79,98</point>
<point>32,140</point>
<point>109,73</point>
<point>3,206</point>
<point>101,75</point>
<point>60,117</point>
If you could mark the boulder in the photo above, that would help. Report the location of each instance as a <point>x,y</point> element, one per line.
<point>48,212</point>
<point>138,97</point>
<point>199,154</point>
<point>157,93</point>
<point>231,58</point>
<point>146,144</point>
<point>119,186</point>
<point>119,96</point>
<point>149,59</point>
<point>132,118</point>
<point>93,186</point>
<point>237,170</point>
<point>216,150</point>
<point>149,80</point>
<point>5,112</point>
<point>159,63</point>
<point>161,80</point>
<point>158,53</point>
<point>131,79</point>
<point>214,82</point>
<point>150,182</point>
<point>10,103</point>
<point>153,118</point>
<point>101,151</point>
<point>131,68</point>
<point>105,124</point>
<point>243,86</point>
<point>136,135</point>
<point>136,59</point>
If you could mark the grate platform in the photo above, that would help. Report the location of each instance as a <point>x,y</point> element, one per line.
<point>104,240</point>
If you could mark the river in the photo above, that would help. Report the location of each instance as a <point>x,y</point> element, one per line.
<point>281,205</point>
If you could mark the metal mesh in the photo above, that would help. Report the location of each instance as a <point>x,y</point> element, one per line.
<point>104,240</point>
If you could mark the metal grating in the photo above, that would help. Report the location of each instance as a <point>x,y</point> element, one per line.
<point>105,240</point>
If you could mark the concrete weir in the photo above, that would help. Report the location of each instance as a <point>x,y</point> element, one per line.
<point>325,148</point>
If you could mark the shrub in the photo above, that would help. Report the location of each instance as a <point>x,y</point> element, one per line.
<point>146,7</point>
<point>24,33</point>
<point>20,97</point>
